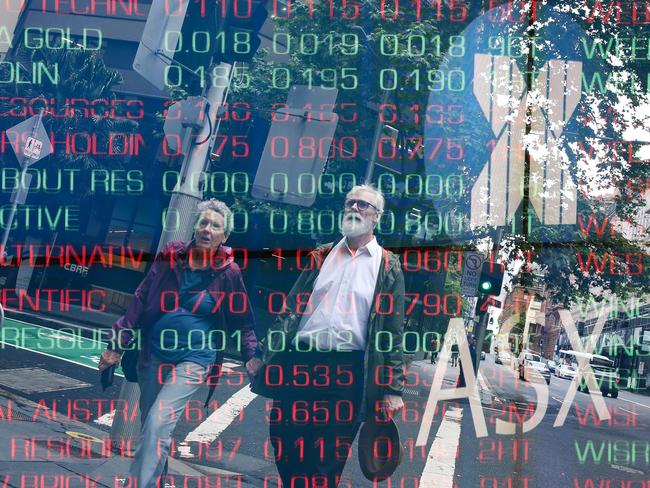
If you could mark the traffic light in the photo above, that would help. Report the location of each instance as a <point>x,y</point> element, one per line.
<point>491,279</point>
<point>241,21</point>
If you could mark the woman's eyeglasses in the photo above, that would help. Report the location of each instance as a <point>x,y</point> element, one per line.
<point>361,204</point>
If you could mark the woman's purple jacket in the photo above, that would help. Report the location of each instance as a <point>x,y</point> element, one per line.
<point>165,276</point>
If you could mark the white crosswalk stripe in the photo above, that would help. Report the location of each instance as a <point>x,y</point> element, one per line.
<point>221,418</point>
<point>441,461</point>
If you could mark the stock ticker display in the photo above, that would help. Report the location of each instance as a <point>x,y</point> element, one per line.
<point>430,210</point>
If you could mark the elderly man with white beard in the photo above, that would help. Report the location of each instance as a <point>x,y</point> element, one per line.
<point>334,358</point>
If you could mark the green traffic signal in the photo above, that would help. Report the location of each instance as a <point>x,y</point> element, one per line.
<point>491,278</point>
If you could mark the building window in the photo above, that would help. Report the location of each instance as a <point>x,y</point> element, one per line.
<point>134,223</point>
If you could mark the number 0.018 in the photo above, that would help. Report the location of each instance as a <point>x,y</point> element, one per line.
<point>419,45</point>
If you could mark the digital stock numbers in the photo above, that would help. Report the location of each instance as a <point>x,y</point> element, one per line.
<point>469,116</point>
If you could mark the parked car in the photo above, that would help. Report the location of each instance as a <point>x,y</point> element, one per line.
<point>529,360</point>
<point>566,371</point>
<point>503,357</point>
<point>552,366</point>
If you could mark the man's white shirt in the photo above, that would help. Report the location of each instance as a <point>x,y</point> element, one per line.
<point>336,318</point>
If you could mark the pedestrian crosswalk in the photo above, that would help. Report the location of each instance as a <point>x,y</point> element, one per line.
<point>437,470</point>
<point>440,466</point>
<point>232,432</point>
<point>221,418</point>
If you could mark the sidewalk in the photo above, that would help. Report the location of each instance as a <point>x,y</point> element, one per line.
<point>38,451</point>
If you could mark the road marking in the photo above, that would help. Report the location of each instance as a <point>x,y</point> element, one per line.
<point>628,411</point>
<point>32,337</point>
<point>229,366</point>
<point>439,469</point>
<point>83,436</point>
<point>482,382</point>
<point>500,410</point>
<point>636,403</point>
<point>106,419</point>
<point>626,469</point>
<point>220,419</point>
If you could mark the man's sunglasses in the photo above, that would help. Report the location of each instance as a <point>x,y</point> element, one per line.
<point>361,204</point>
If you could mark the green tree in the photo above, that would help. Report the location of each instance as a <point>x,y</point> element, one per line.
<point>81,101</point>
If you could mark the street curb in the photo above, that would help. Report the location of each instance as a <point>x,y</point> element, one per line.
<point>22,405</point>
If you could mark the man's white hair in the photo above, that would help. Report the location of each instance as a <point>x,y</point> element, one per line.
<point>219,207</point>
<point>379,202</point>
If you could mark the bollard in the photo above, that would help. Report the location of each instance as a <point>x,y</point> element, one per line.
<point>123,431</point>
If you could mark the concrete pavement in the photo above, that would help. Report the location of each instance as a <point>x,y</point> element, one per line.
<point>38,450</point>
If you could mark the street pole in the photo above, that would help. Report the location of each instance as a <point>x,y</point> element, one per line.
<point>376,138</point>
<point>525,216</point>
<point>483,318</point>
<point>177,225</point>
<point>385,97</point>
<point>177,220</point>
<point>12,215</point>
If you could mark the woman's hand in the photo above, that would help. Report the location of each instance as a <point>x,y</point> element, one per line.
<point>253,367</point>
<point>109,358</point>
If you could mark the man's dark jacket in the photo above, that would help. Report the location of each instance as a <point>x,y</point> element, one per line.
<point>384,365</point>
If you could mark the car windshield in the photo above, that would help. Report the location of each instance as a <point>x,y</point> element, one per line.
<point>532,357</point>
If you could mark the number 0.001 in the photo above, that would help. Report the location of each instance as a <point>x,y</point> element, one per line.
<point>327,78</point>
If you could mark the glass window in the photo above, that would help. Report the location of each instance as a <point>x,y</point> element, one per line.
<point>135,223</point>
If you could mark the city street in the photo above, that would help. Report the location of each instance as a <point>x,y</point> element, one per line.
<point>229,439</point>
<point>314,197</point>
